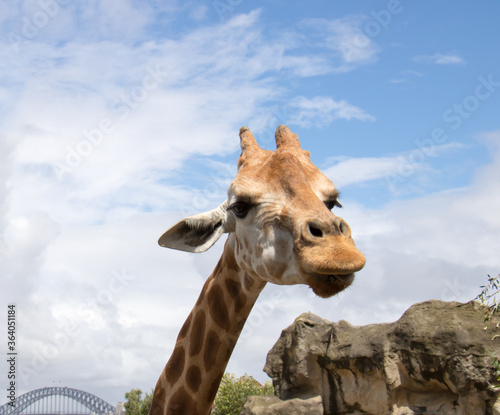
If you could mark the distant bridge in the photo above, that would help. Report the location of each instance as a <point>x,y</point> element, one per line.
<point>58,401</point>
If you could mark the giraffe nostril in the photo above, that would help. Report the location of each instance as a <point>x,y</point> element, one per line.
<point>344,228</point>
<point>314,231</point>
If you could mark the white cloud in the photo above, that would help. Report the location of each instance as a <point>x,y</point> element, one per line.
<point>321,111</point>
<point>199,13</point>
<point>344,37</point>
<point>406,77</point>
<point>441,59</point>
<point>93,99</point>
<point>397,170</point>
<point>361,170</point>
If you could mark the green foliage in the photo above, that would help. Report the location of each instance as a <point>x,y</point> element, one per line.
<point>146,403</point>
<point>136,404</point>
<point>233,393</point>
<point>488,297</point>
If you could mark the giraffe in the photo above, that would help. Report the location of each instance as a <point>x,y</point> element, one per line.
<point>281,230</point>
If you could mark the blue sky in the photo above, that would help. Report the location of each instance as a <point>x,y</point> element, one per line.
<point>121,117</point>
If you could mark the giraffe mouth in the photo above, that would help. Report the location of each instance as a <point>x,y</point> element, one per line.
<point>327,285</point>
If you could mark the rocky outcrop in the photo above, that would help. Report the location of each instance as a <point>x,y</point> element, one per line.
<point>272,405</point>
<point>434,360</point>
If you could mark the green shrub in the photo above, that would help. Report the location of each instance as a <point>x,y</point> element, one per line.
<point>488,297</point>
<point>233,393</point>
<point>136,404</point>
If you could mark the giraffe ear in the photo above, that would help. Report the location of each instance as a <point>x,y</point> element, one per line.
<point>196,233</point>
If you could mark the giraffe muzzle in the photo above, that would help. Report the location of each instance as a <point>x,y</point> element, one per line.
<point>327,255</point>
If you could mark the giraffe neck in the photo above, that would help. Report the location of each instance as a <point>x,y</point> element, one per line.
<point>190,380</point>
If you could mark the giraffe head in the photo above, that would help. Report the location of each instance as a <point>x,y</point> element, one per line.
<point>279,218</point>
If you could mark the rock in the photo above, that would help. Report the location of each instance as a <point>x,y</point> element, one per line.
<point>272,405</point>
<point>292,362</point>
<point>434,360</point>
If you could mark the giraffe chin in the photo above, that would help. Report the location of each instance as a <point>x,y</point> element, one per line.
<point>327,285</point>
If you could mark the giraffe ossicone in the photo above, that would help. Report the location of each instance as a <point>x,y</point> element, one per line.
<point>281,229</point>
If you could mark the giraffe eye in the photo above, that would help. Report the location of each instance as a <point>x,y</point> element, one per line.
<point>330,204</point>
<point>240,209</point>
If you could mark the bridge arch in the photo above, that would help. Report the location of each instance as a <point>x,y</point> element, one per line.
<point>90,401</point>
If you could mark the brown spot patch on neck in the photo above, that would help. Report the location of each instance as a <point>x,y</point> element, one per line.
<point>230,263</point>
<point>235,291</point>
<point>212,346</point>
<point>217,307</point>
<point>181,402</point>
<point>197,333</point>
<point>193,378</point>
<point>175,365</point>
